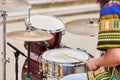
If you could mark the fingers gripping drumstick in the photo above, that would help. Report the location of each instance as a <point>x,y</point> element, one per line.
<point>90,72</point>
<point>76,58</point>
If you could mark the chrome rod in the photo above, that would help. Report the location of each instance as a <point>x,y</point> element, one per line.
<point>4,44</point>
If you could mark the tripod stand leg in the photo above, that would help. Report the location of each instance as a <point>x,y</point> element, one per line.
<point>16,54</point>
<point>16,68</point>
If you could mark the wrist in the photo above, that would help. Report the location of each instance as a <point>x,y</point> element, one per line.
<point>97,62</point>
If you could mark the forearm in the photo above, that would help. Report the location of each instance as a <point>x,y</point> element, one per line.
<point>111,58</point>
<point>102,61</point>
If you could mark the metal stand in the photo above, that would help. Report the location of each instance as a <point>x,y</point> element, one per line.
<point>28,59</point>
<point>28,69</point>
<point>16,54</point>
<point>4,45</point>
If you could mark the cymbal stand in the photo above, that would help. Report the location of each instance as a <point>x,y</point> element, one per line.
<point>16,54</point>
<point>28,58</point>
<point>28,69</point>
<point>4,45</point>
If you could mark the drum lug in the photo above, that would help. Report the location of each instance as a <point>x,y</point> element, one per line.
<point>58,73</point>
<point>62,44</point>
<point>29,73</point>
<point>26,66</point>
<point>81,49</point>
<point>42,75</point>
<point>63,32</point>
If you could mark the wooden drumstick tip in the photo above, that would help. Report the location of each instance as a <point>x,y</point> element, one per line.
<point>76,58</point>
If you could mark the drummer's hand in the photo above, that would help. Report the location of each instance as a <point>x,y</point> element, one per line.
<point>92,64</point>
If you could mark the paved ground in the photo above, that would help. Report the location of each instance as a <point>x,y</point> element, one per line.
<point>74,41</point>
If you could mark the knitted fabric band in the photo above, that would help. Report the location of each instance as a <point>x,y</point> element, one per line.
<point>109,26</point>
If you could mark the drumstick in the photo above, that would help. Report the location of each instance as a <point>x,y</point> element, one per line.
<point>76,58</point>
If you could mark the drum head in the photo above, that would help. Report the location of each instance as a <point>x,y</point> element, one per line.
<point>46,23</point>
<point>59,55</point>
<point>80,76</point>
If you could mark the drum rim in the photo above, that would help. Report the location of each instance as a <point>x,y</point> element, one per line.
<point>72,64</point>
<point>62,63</point>
<point>49,31</point>
<point>73,75</point>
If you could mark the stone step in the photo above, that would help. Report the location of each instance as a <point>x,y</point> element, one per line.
<point>57,11</point>
<point>37,4</point>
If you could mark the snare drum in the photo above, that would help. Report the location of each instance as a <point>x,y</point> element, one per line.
<point>48,24</point>
<point>80,76</point>
<point>56,64</point>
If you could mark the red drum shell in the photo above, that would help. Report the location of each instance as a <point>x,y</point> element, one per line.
<point>34,70</point>
<point>53,43</point>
